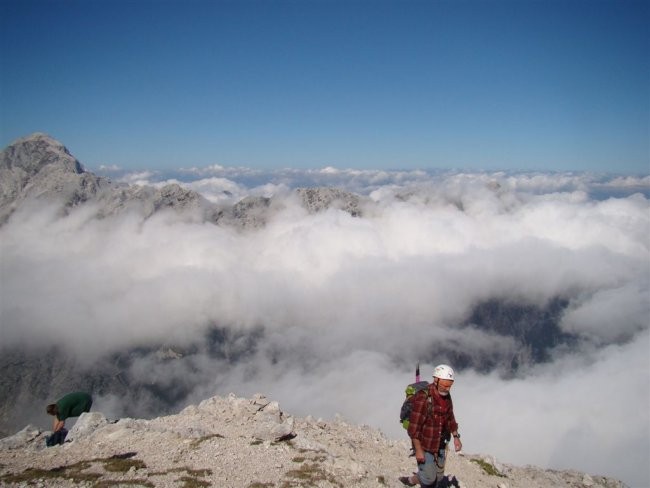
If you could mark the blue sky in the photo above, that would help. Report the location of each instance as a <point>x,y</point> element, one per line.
<point>474,85</point>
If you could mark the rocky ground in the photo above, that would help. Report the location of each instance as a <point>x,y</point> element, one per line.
<point>249,443</point>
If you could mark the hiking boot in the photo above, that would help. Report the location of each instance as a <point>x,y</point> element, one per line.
<point>406,481</point>
<point>449,481</point>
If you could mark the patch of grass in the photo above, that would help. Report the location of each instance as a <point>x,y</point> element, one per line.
<point>31,475</point>
<point>381,480</point>
<point>118,465</point>
<point>171,470</point>
<point>298,459</point>
<point>124,455</point>
<point>199,472</point>
<point>189,482</point>
<point>257,484</point>
<point>190,472</point>
<point>197,442</point>
<point>191,479</point>
<point>488,468</point>
<point>256,442</point>
<point>109,483</point>
<point>285,438</point>
<point>308,475</point>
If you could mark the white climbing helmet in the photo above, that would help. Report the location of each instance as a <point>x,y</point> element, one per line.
<point>443,372</point>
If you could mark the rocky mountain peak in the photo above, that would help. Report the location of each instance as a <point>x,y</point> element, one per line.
<point>319,199</point>
<point>36,151</point>
<point>40,167</point>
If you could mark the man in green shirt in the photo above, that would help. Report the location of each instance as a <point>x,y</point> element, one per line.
<point>71,405</point>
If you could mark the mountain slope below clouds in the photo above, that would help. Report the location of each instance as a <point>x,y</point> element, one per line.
<point>249,443</point>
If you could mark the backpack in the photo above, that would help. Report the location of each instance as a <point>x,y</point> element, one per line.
<point>407,405</point>
<point>57,438</point>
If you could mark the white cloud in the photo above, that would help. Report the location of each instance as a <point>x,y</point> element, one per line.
<point>611,315</point>
<point>110,168</point>
<point>575,412</point>
<point>141,178</point>
<point>347,303</point>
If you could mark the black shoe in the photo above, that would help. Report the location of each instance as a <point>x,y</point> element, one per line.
<point>448,482</point>
<point>406,480</point>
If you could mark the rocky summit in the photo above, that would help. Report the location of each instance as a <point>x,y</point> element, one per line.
<point>249,443</point>
<point>40,169</point>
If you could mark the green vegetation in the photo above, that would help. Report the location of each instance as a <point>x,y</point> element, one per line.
<point>316,459</point>
<point>109,483</point>
<point>189,482</point>
<point>190,472</point>
<point>488,468</point>
<point>308,475</point>
<point>197,442</point>
<point>199,472</point>
<point>32,475</point>
<point>119,463</point>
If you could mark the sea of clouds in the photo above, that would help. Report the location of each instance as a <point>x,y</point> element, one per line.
<point>342,307</point>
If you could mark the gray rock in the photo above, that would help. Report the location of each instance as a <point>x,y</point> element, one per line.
<point>319,199</point>
<point>274,431</point>
<point>20,439</point>
<point>38,167</point>
<point>87,423</point>
<point>250,212</point>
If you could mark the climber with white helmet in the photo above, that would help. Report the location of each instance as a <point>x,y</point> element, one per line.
<point>446,374</point>
<point>430,426</point>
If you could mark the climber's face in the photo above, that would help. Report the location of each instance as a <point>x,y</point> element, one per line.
<point>444,386</point>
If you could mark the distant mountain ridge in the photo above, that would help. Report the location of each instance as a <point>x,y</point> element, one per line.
<point>40,168</point>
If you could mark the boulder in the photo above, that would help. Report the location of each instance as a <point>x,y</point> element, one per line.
<point>20,439</point>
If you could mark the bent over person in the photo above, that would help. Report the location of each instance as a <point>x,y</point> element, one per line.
<point>431,424</point>
<point>70,405</point>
